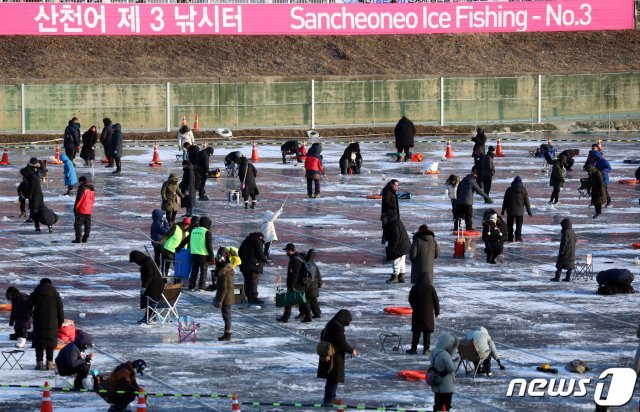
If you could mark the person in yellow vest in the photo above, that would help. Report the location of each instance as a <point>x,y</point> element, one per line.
<point>228,254</point>
<point>200,244</point>
<point>171,240</point>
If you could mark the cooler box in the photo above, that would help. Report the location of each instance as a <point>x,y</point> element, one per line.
<point>182,264</point>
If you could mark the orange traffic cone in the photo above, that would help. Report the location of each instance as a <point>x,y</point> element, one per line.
<point>142,401</point>
<point>235,405</point>
<point>5,157</point>
<point>449,153</point>
<point>155,161</point>
<point>499,148</point>
<point>184,120</point>
<point>254,153</point>
<point>56,157</point>
<point>599,144</point>
<point>340,406</point>
<point>46,405</point>
<point>303,151</point>
<point>196,124</point>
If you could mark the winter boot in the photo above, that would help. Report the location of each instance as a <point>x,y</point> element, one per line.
<point>253,205</point>
<point>556,278</point>
<point>401,278</point>
<point>85,239</point>
<point>246,205</point>
<point>51,366</point>
<point>39,365</point>
<point>226,337</point>
<point>76,240</point>
<point>412,351</point>
<point>567,278</point>
<point>393,279</point>
<point>21,343</point>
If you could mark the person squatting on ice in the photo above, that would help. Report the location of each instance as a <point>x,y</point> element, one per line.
<point>442,362</point>
<point>251,253</point>
<point>404,133</point>
<point>72,359</point>
<point>247,174</point>
<point>121,385</point>
<point>567,253</point>
<point>313,169</point>
<point>20,317</point>
<point>351,160</point>
<point>83,208</point>
<point>333,369</point>
<point>269,229</point>
<point>170,192</point>
<point>291,147</point>
<point>150,280</point>
<point>200,243</point>
<point>486,349</point>
<point>48,315</point>
<point>515,201</point>
<point>426,305</point>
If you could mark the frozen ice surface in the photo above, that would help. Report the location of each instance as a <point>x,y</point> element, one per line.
<point>532,320</point>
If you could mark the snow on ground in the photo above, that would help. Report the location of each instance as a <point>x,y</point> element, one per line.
<point>531,320</point>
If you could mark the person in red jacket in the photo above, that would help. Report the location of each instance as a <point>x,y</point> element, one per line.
<point>313,167</point>
<point>83,208</point>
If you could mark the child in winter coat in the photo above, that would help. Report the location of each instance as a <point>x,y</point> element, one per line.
<point>20,317</point>
<point>492,236</point>
<point>269,229</point>
<point>425,304</point>
<point>451,188</point>
<point>70,178</point>
<point>441,361</point>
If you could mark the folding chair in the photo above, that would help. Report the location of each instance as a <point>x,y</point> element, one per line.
<point>166,306</point>
<point>187,328</point>
<point>469,357</point>
<point>584,270</point>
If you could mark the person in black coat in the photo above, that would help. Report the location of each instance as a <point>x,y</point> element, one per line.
<point>188,188</point>
<point>201,169</point>
<point>247,174</point>
<point>479,141</point>
<point>88,152</point>
<point>598,189</point>
<point>492,237</point>
<point>333,370</point>
<point>516,199</point>
<point>48,315</point>
<point>486,170</point>
<point>351,159</point>
<point>20,317</point>
<point>312,287</point>
<point>291,147</point>
<point>390,210</point>
<point>72,360</point>
<point>404,132</point>
<point>398,245</point>
<point>105,139</point>
<point>33,190</point>
<point>251,252</point>
<point>567,253</point>
<point>569,155</point>
<point>295,271</point>
<point>116,146</point>
<point>72,139</point>
<point>425,304</point>
<point>232,161</point>
<point>464,199</point>
<point>613,281</point>
<point>150,277</point>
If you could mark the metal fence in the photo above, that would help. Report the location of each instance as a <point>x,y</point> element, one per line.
<point>44,108</point>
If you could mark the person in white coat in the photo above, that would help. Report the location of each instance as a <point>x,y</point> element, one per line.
<point>185,135</point>
<point>486,349</point>
<point>269,228</point>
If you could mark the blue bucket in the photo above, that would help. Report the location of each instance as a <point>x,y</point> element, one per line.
<point>183,264</point>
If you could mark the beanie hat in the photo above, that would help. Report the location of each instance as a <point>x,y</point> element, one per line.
<point>492,149</point>
<point>493,218</point>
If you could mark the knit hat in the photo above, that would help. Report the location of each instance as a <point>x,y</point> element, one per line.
<point>290,246</point>
<point>33,162</point>
<point>493,218</point>
<point>173,177</point>
<point>492,149</point>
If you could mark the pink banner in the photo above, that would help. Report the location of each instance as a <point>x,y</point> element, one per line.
<point>90,19</point>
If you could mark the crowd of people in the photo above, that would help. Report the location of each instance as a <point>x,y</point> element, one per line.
<point>169,235</point>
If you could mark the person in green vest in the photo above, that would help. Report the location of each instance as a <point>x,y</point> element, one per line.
<point>200,244</point>
<point>171,240</point>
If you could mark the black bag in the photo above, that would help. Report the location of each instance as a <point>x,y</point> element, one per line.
<point>290,298</point>
<point>46,216</point>
<point>433,377</point>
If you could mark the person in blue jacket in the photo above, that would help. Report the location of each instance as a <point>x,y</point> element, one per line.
<point>70,178</point>
<point>73,361</point>
<point>159,227</point>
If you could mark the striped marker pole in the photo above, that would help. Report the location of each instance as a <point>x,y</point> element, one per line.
<point>46,405</point>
